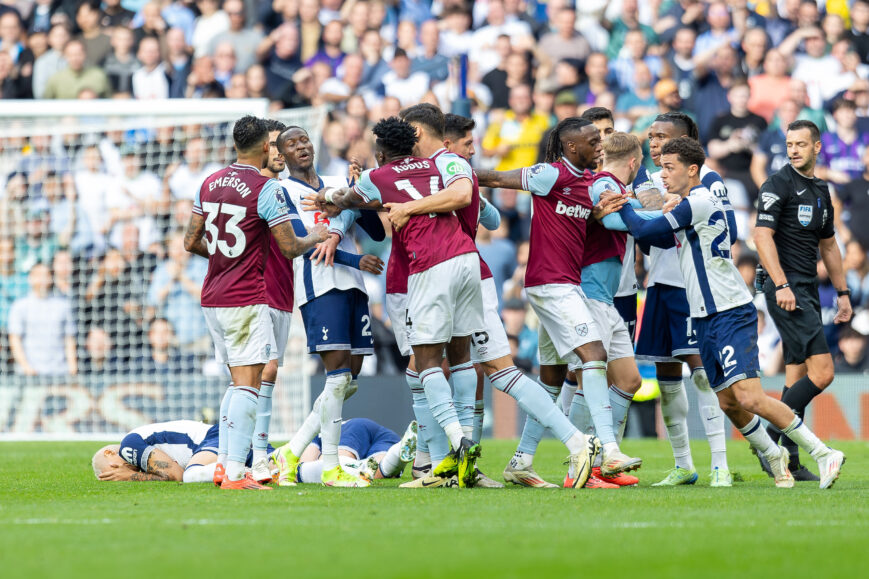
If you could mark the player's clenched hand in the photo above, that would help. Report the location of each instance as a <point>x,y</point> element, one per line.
<point>786,299</point>
<point>844,313</point>
<point>671,200</point>
<point>371,264</point>
<point>320,232</point>
<point>326,251</point>
<point>398,214</point>
<point>609,203</point>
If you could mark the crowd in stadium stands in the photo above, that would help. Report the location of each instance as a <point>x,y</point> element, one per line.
<point>115,287</point>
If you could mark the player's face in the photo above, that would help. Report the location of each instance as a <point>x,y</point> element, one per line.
<point>276,160</point>
<point>298,150</point>
<point>675,175</point>
<point>463,147</point>
<point>802,151</point>
<point>605,126</point>
<point>660,134</point>
<point>588,150</point>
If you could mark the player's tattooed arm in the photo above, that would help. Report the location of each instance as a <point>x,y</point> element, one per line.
<point>162,466</point>
<point>194,240</point>
<point>500,179</point>
<point>291,245</point>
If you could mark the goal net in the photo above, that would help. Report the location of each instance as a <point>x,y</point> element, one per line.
<point>100,325</point>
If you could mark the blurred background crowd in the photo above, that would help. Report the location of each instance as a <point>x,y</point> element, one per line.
<point>93,274</point>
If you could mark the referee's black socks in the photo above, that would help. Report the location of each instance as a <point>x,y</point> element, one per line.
<point>797,397</point>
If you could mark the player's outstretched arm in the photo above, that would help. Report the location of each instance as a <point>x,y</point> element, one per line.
<point>194,240</point>
<point>490,217</point>
<point>657,232</point>
<point>500,179</point>
<point>291,245</point>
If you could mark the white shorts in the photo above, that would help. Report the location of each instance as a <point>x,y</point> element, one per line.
<point>281,321</point>
<point>242,336</point>
<point>396,309</point>
<point>565,323</point>
<point>445,301</point>
<point>491,343</point>
<point>614,333</point>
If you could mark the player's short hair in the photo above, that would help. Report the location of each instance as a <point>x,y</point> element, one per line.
<point>98,462</point>
<point>275,125</point>
<point>249,131</point>
<point>285,134</point>
<point>597,114</point>
<point>395,136</point>
<point>621,146</point>
<point>554,149</point>
<point>806,124</point>
<point>687,150</point>
<point>457,126</point>
<point>427,115</point>
<point>681,121</point>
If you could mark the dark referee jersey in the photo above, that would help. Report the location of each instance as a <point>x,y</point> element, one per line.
<point>801,213</point>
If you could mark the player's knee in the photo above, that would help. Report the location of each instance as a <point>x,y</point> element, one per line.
<point>592,352</point>
<point>822,377</point>
<point>750,400</point>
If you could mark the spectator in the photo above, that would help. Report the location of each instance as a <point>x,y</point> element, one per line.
<point>162,356</point>
<point>76,77</point>
<point>597,75</point>
<point>37,244</point>
<point>564,106</point>
<point>97,44</point>
<point>175,293</point>
<point>186,178</point>
<point>771,87</point>
<point>244,39</point>
<point>709,95</point>
<point>115,15</point>
<point>42,329</point>
<point>8,82</point>
<point>815,65</point>
<point>565,41</point>
<point>279,54</point>
<point>12,42</point>
<point>304,89</point>
<point>178,62</point>
<point>51,61</point>
<point>668,99</point>
<point>329,48</point>
<point>224,63</point>
<point>99,355</point>
<point>347,81</point>
<point>800,94</point>
<point>409,88</point>
<point>514,71</point>
<point>201,82</point>
<point>639,102</point>
<point>457,37</point>
<point>720,32</point>
<point>69,221</point>
<point>628,20</point>
<point>211,23</point>
<point>771,152</point>
<point>514,140</point>
<point>356,16</point>
<point>856,267</point>
<point>309,27</point>
<point>733,135</point>
<point>859,32</point>
<point>754,48</point>
<point>841,157</point>
<point>852,204</point>
<point>371,49</point>
<point>255,81</point>
<point>120,64</point>
<point>152,23</point>
<point>680,61</point>
<point>852,352</point>
<point>138,199</point>
<point>13,285</point>
<point>633,52</point>
<point>485,38</point>
<point>94,187</point>
<point>428,59</point>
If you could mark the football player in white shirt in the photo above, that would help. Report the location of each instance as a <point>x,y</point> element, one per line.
<point>331,296</point>
<point>723,313</point>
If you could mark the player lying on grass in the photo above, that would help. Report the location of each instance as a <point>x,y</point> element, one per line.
<point>722,311</point>
<point>181,451</point>
<point>367,448</point>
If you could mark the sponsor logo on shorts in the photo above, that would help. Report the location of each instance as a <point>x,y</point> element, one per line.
<point>582,330</point>
<point>804,214</point>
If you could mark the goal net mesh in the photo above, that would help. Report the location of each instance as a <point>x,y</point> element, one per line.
<point>100,325</point>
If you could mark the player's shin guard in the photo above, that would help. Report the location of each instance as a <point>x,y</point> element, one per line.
<point>621,403</point>
<point>713,418</point>
<point>674,407</point>
<point>535,402</point>
<point>440,401</point>
<point>222,433</point>
<point>579,413</point>
<point>596,390</point>
<point>759,439</point>
<point>568,391</point>
<point>241,418</point>
<point>422,414</point>
<point>464,381</point>
<point>533,431</point>
<point>331,407</point>
<point>263,420</point>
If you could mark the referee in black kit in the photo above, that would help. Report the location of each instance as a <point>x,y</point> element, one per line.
<point>794,223</point>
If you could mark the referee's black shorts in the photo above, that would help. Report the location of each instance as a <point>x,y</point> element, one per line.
<point>801,331</point>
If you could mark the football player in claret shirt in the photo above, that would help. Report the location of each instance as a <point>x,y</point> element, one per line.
<point>723,312</point>
<point>234,213</point>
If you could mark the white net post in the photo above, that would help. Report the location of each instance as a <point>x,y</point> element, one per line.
<point>95,197</point>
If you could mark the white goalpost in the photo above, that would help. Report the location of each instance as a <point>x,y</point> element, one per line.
<point>100,326</point>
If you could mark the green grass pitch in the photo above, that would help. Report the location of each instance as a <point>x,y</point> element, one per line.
<point>56,520</point>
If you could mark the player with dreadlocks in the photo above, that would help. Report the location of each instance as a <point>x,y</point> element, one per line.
<point>568,334</point>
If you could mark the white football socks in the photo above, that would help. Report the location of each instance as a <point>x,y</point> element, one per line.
<point>674,407</point>
<point>805,438</point>
<point>759,440</point>
<point>331,408</point>
<point>713,418</point>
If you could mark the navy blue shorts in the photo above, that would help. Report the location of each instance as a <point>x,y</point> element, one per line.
<point>364,437</point>
<point>212,440</point>
<point>666,330</point>
<point>339,320</point>
<point>626,306</point>
<point>728,345</point>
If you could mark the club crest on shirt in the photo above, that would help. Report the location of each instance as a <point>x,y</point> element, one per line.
<point>804,215</point>
<point>582,330</point>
